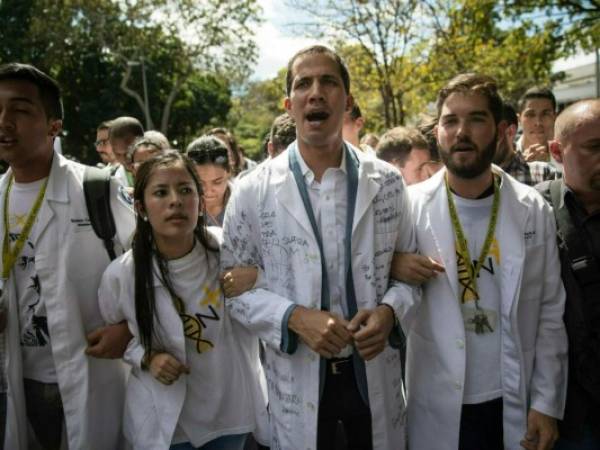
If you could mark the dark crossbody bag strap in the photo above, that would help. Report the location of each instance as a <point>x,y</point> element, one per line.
<point>96,187</point>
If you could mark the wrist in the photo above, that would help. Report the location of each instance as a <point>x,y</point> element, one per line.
<point>147,360</point>
<point>390,311</point>
<point>295,319</point>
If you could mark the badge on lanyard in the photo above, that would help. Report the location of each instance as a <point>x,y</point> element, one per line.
<point>476,319</point>
<point>479,320</point>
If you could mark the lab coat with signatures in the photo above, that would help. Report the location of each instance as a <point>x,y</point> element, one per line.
<point>266,225</point>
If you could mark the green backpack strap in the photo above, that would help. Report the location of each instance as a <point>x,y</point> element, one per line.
<point>96,187</point>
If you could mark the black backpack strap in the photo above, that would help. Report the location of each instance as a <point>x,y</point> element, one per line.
<point>96,187</point>
<point>584,265</point>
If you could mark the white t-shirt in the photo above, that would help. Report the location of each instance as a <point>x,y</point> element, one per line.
<point>482,378</point>
<point>216,401</point>
<point>38,363</point>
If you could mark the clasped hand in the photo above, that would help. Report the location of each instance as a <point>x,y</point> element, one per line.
<point>327,334</point>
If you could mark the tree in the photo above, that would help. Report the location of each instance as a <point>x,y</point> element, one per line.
<point>578,21</point>
<point>469,37</point>
<point>383,29</point>
<point>87,46</point>
<point>253,112</point>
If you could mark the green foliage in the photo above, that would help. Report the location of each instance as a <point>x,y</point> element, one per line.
<point>252,113</point>
<point>95,50</point>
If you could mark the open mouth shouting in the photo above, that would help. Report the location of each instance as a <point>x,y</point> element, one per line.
<point>316,118</point>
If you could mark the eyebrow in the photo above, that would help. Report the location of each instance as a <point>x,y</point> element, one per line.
<point>167,185</point>
<point>22,99</point>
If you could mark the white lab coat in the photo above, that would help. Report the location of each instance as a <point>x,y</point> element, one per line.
<point>152,409</point>
<point>69,260</point>
<point>266,225</point>
<point>533,359</point>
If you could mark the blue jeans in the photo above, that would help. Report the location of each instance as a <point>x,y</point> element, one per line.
<point>588,442</point>
<point>230,442</point>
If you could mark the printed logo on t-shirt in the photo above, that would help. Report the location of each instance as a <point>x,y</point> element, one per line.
<point>490,265</point>
<point>34,323</point>
<point>194,325</point>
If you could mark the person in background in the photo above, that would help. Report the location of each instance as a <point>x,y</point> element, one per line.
<point>212,166</point>
<point>537,113</point>
<point>283,133</point>
<point>576,203</point>
<point>236,159</point>
<point>103,147</point>
<point>123,132</point>
<point>370,140</point>
<point>512,162</point>
<point>407,149</point>
<point>194,384</point>
<point>354,122</point>
<point>144,148</point>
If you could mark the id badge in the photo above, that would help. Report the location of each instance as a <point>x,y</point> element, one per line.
<point>479,320</point>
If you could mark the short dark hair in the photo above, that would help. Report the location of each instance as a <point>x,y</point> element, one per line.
<point>473,83</point>
<point>125,127</point>
<point>509,114</point>
<point>47,86</point>
<point>283,132</point>
<point>355,112</point>
<point>209,150</point>
<point>318,50</point>
<point>397,143</point>
<point>537,92</point>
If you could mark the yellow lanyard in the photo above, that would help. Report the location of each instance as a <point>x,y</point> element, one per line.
<point>463,247</point>
<point>9,256</point>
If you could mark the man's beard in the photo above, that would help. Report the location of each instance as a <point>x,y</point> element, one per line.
<point>472,169</point>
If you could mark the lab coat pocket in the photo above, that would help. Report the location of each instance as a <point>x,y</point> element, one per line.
<point>140,421</point>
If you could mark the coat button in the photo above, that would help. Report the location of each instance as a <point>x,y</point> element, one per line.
<point>460,343</point>
<point>310,406</point>
<point>458,385</point>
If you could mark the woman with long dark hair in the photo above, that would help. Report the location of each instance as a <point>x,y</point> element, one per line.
<point>193,384</point>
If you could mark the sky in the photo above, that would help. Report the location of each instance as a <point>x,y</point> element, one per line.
<point>276,45</point>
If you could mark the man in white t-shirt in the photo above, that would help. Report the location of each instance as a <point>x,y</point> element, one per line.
<point>486,356</point>
<point>51,267</point>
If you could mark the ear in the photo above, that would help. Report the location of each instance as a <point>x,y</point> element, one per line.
<point>55,127</point>
<point>556,150</point>
<point>360,123</point>
<point>270,148</point>
<point>287,104</point>
<point>511,132</point>
<point>139,208</point>
<point>501,128</point>
<point>349,102</point>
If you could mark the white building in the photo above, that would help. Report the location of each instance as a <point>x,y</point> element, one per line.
<point>581,78</point>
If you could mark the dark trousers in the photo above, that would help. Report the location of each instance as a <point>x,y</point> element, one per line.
<point>343,411</point>
<point>481,426</point>
<point>44,412</point>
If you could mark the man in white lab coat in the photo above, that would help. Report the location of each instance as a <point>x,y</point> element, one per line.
<point>487,350</point>
<point>321,221</point>
<point>51,267</point>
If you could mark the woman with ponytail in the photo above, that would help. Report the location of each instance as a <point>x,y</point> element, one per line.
<point>193,384</point>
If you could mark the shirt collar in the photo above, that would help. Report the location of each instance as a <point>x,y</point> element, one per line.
<point>308,174</point>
